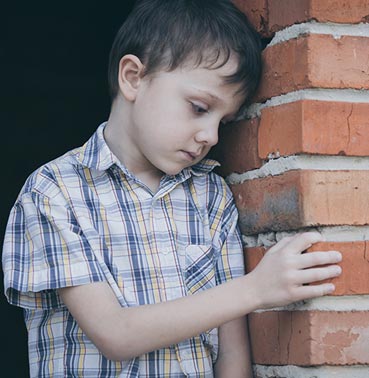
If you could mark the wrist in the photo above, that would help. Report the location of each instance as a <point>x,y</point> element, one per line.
<point>248,293</point>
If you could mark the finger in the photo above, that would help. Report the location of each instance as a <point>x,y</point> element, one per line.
<point>311,259</point>
<point>317,274</point>
<point>281,244</point>
<point>301,242</point>
<point>313,291</point>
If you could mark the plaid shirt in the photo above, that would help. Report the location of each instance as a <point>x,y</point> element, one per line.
<point>84,218</point>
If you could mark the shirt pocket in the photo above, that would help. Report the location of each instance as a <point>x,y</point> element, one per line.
<point>199,267</point>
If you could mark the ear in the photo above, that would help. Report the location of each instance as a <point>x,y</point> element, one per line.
<point>129,77</point>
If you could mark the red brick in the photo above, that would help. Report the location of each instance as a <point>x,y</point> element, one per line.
<point>284,13</point>
<point>340,11</point>
<point>285,68</point>
<point>280,337</point>
<point>314,127</point>
<point>298,199</point>
<point>315,61</point>
<point>270,204</point>
<point>237,149</point>
<point>271,16</point>
<point>280,130</point>
<point>355,266</point>
<point>309,337</point>
<point>257,13</point>
<point>354,279</point>
<point>253,255</point>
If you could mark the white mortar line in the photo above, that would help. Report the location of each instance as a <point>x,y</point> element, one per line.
<point>302,162</point>
<point>291,371</point>
<point>347,303</point>
<point>335,30</point>
<point>319,94</point>
<point>330,234</point>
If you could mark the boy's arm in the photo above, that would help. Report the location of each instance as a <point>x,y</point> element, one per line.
<point>234,359</point>
<point>280,278</point>
<point>123,333</point>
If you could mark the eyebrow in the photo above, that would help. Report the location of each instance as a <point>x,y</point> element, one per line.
<point>211,95</point>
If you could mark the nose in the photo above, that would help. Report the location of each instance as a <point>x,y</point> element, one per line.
<point>208,134</point>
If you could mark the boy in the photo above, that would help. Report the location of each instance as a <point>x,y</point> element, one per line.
<point>125,253</point>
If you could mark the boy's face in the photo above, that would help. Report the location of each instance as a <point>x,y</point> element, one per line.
<point>176,116</point>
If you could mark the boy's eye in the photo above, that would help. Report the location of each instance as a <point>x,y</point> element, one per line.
<point>198,109</point>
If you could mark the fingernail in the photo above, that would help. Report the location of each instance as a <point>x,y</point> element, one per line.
<point>337,256</point>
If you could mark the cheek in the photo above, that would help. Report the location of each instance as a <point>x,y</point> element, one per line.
<point>162,118</point>
<point>169,124</point>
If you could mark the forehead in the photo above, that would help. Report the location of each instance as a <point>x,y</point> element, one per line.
<point>214,77</point>
<point>210,63</point>
<point>209,79</point>
<point>220,64</point>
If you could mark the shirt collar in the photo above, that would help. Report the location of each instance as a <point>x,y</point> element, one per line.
<point>203,167</point>
<point>96,154</point>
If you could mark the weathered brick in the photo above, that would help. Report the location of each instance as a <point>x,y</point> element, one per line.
<point>298,199</point>
<point>315,61</point>
<point>253,255</point>
<point>257,13</point>
<point>270,204</point>
<point>280,337</point>
<point>283,13</point>
<point>237,149</point>
<point>340,11</point>
<point>354,279</point>
<point>314,127</point>
<point>271,16</point>
<point>309,337</point>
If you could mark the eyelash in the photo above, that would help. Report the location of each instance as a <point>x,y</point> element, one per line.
<point>197,109</point>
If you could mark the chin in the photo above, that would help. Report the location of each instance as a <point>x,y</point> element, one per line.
<point>174,171</point>
<point>175,168</point>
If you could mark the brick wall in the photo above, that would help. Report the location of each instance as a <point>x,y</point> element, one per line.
<point>300,161</point>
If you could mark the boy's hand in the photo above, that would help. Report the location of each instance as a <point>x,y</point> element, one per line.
<point>123,333</point>
<point>281,274</point>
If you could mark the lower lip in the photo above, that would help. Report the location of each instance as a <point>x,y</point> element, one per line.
<point>188,156</point>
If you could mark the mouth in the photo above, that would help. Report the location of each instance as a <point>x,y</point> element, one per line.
<point>191,156</point>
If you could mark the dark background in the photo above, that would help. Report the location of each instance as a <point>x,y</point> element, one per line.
<point>53,69</point>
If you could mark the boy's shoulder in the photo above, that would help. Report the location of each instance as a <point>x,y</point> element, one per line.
<point>45,179</point>
<point>66,170</point>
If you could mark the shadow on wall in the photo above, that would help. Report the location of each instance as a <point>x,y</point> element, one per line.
<point>54,95</point>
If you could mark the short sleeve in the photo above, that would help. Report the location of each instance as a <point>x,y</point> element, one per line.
<point>44,250</point>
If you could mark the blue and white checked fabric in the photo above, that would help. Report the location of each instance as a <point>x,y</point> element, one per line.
<point>84,218</point>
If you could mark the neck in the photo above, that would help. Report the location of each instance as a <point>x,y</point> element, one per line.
<point>120,139</point>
